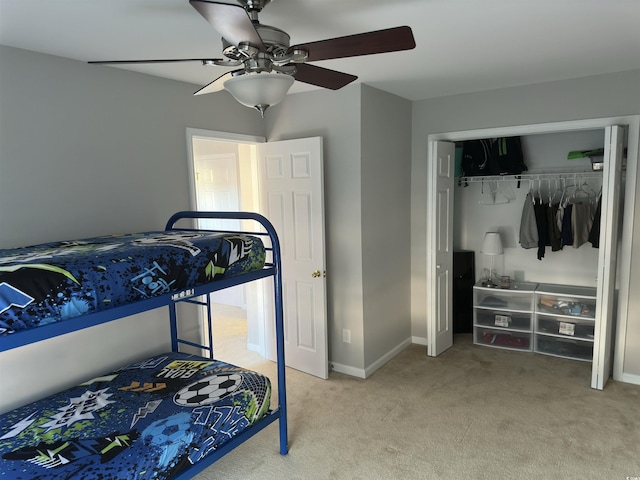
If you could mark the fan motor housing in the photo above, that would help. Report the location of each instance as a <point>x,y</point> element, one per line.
<point>276,40</point>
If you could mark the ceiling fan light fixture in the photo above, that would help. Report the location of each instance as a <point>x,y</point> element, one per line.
<point>259,90</point>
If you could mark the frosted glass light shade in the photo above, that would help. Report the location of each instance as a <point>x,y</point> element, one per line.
<point>259,90</point>
<point>492,244</point>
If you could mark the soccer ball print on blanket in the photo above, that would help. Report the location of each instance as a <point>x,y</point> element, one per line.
<point>148,421</point>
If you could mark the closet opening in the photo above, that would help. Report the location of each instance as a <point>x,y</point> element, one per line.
<point>555,298</point>
<point>497,204</point>
<point>498,243</point>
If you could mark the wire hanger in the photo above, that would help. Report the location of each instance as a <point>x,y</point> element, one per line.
<point>495,196</point>
<point>584,191</point>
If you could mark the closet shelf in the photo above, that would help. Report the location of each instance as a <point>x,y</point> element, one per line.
<point>532,176</point>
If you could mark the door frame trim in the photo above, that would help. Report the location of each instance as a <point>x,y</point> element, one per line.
<point>632,122</point>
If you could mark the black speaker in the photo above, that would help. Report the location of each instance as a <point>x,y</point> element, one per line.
<point>463,279</point>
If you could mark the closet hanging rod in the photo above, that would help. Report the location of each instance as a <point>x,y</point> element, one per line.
<point>532,176</point>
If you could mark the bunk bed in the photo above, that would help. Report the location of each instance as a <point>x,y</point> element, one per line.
<point>166,417</point>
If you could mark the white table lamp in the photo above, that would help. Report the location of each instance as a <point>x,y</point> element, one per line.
<point>492,246</point>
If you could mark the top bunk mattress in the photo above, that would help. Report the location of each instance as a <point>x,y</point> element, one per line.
<point>53,282</point>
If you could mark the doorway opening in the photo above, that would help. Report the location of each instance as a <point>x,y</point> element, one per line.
<point>283,181</point>
<point>223,177</point>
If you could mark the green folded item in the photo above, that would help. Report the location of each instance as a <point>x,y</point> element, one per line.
<point>585,153</point>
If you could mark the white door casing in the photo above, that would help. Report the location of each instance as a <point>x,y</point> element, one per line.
<point>291,193</point>
<point>440,248</point>
<point>608,249</point>
<point>309,352</point>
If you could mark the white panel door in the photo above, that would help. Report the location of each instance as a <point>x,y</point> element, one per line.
<point>440,249</point>
<point>609,229</point>
<point>291,192</point>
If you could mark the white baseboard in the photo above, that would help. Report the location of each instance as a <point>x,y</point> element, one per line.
<point>253,347</point>
<point>630,378</point>
<point>348,370</point>
<point>368,371</point>
<point>419,340</point>
<point>385,358</point>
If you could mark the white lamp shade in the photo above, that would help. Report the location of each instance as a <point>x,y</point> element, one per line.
<point>259,90</point>
<point>492,244</point>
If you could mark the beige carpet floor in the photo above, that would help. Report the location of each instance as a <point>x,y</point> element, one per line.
<point>472,413</point>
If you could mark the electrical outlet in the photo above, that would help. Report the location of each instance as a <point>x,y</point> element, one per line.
<point>346,335</point>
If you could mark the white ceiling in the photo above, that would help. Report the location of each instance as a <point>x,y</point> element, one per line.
<point>462,45</point>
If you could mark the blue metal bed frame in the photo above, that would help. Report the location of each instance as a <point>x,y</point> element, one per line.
<point>271,269</point>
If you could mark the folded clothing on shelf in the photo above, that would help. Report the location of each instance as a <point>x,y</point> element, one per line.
<point>566,307</point>
<point>505,340</point>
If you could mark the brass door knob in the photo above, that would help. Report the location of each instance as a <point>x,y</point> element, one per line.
<point>316,274</point>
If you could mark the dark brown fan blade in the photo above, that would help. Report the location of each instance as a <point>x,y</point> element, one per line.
<point>230,21</point>
<point>171,60</point>
<point>322,77</point>
<point>380,41</point>
<point>217,84</point>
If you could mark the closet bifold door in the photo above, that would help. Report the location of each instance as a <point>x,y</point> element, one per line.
<point>440,249</point>
<point>606,277</point>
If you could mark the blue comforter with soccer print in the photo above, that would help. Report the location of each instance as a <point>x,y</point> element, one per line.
<point>149,420</point>
<point>52,282</point>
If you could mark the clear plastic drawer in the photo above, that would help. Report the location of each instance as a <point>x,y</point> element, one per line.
<point>565,347</point>
<point>566,301</point>
<point>503,319</point>
<point>497,299</point>
<point>502,339</point>
<point>566,327</point>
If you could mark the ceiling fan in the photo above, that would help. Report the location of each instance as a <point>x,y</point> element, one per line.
<point>269,65</point>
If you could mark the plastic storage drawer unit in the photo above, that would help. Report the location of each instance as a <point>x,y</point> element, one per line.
<point>502,318</point>
<point>564,324</point>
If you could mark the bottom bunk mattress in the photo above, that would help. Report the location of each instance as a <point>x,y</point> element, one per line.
<point>148,420</point>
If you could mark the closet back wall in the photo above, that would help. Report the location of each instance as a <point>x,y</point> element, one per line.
<point>474,215</point>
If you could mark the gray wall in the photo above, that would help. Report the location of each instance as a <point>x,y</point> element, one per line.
<point>367,180</point>
<point>88,150</point>
<point>386,216</point>
<point>591,97</point>
<point>87,147</point>
<point>335,116</point>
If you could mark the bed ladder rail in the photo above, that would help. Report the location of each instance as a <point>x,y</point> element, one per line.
<point>176,341</point>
